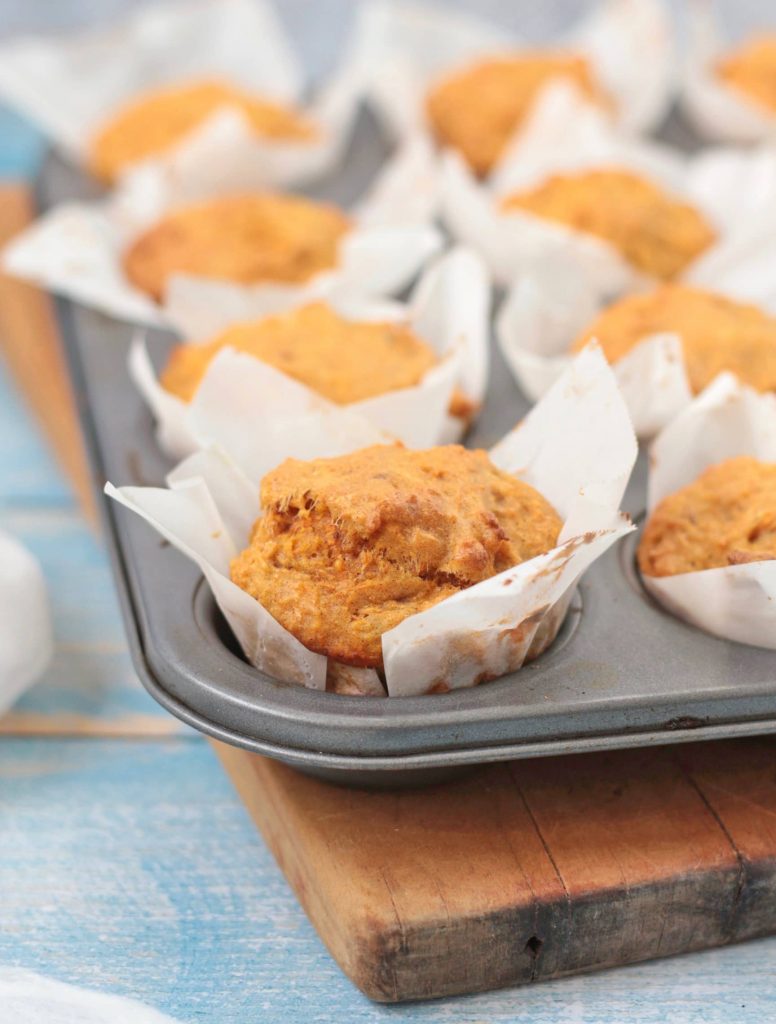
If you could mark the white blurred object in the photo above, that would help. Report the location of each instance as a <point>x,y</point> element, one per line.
<point>70,86</point>
<point>402,47</point>
<point>717,110</point>
<point>25,624</point>
<point>28,998</point>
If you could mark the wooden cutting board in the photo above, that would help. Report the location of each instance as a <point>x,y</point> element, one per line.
<point>514,873</point>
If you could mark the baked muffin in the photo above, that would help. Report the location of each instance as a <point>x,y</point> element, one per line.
<point>725,517</point>
<point>248,239</point>
<point>717,333</point>
<point>157,120</point>
<point>751,69</point>
<point>655,232</point>
<point>349,547</point>
<point>478,109</point>
<point>344,360</point>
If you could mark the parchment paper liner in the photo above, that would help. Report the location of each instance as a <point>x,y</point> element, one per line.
<point>404,47</point>
<point>71,85</point>
<point>448,309</point>
<point>576,447</point>
<point>76,248</point>
<point>565,136</point>
<point>737,602</point>
<point>716,109</point>
<point>545,311</point>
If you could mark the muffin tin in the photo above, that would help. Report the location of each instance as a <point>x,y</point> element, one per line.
<point>621,673</point>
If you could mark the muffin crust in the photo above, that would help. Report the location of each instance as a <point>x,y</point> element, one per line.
<point>157,120</point>
<point>478,109</point>
<point>655,232</point>
<point>725,517</point>
<point>349,547</point>
<point>246,239</point>
<point>717,333</point>
<point>751,68</point>
<point>343,360</point>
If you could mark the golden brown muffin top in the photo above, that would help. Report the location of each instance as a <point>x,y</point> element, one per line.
<point>478,109</point>
<point>156,120</point>
<point>343,360</point>
<point>751,68</point>
<point>349,547</point>
<point>725,517</point>
<point>655,232</point>
<point>247,239</point>
<point>717,333</point>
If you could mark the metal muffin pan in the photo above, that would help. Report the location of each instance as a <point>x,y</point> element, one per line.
<point>621,673</point>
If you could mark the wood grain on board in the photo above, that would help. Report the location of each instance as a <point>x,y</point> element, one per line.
<point>527,870</point>
<point>514,873</point>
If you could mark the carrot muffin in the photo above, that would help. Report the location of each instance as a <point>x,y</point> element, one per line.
<point>751,68</point>
<point>478,109</point>
<point>157,120</point>
<point>344,360</point>
<point>655,232</point>
<point>349,547</point>
<point>248,239</point>
<point>725,517</point>
<point>717,333</point>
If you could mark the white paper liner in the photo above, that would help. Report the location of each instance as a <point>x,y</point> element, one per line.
<point>734,190</point>
<point>539,321</point>
<point>716,109</point>
<point>71,86</point>
<point>353,682</point>
<point>741,264</point>
<point>737,602</point>
<point>76,250</point>
<point>448,309</point>
<point>26,640</point>
<point>576,447</point>
<point>404,47</point>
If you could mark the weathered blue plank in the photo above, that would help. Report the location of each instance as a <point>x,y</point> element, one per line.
<point>133,868</point>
